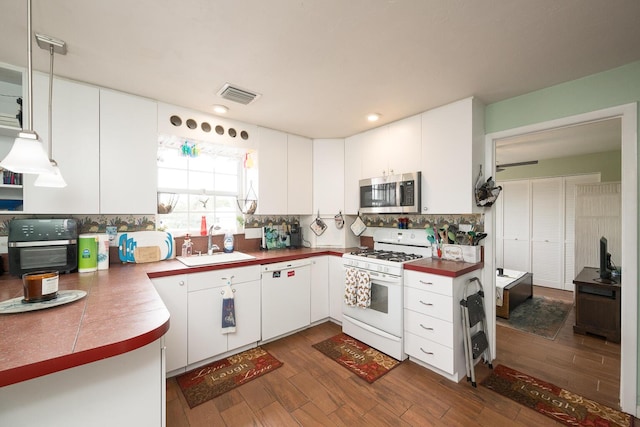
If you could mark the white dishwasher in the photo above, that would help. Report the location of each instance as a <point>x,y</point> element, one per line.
<point>286,297</point>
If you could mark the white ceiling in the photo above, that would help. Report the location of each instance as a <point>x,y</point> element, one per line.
<point>322,65</point>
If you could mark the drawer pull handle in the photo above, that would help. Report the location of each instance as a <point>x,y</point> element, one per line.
<point>426,352</point>
<point>232,290</point>
<point>426,327</point>
<point>426,283</point>
<point>426,303</point>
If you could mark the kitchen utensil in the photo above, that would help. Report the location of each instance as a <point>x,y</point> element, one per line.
<point>128,242</point>
<point>318,226</point>
<point>358,226</point>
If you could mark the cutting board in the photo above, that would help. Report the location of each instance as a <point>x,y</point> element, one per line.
<point>145,246</point>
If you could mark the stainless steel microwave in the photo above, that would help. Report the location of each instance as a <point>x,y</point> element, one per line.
<point>391,194</point>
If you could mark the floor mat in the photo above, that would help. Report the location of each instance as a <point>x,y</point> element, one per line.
<point>364,361</point>
<point>539,315</point>
<point>561,405</point>
<point>209,381</point>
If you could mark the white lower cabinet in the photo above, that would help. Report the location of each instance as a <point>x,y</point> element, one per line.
<point>204,335</point>
<point>319,288</point>
<point>173,291</point>
<point>433,335</point>
<point>336,288</point>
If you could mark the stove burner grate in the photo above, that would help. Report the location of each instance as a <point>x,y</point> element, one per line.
<point>387,255</point>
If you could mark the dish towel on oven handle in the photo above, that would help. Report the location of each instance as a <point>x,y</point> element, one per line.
<point>228,311</point>
<point>350,286</point>
<point>363,297</point>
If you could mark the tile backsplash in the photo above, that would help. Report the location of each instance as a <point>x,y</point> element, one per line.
<point>93,223</point>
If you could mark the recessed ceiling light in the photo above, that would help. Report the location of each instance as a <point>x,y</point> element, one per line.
<point>220,109</point>
<point>373,117</point>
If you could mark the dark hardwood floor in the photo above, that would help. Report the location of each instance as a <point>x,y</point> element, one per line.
<point>310,389</point>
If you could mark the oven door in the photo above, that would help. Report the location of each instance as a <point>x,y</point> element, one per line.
<point>378,197</point>
<point>26,257</point>
<point>385,312</point>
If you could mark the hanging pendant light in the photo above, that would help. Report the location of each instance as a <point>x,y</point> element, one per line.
<point>54,179</point>
<point>27,154</point>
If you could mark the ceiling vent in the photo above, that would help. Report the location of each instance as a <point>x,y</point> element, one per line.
<point>235,94</point>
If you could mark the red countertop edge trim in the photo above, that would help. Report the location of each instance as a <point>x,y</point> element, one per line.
<point>442,272</point>
<point>45,367</point>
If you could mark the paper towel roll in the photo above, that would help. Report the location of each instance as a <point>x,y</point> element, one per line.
<point>103,251</point>
<point>87,253</point>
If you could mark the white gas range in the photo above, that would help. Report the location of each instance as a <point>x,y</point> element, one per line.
<point>380,325</point>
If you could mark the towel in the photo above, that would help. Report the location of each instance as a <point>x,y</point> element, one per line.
<point>228,311</point>
<point>363,294</point>
<point>350,287</point>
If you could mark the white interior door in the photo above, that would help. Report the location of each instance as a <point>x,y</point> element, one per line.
<point>515,225</point>
<point>547,226</point>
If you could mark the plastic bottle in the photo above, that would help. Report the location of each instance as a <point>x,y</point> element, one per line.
<point>187,246</point>
<point>228,242</point>
<point>203,226</point>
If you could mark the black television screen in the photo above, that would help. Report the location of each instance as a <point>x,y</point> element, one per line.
<point>605,260</point>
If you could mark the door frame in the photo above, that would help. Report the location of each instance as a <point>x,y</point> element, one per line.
<point>628,114</point>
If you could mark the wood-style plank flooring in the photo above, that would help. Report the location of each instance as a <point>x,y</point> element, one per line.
<point>310,389</point>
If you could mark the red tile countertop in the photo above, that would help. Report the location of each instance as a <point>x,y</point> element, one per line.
<point>121,312</point>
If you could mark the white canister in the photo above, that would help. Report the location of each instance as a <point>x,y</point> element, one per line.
<point>103,251</point>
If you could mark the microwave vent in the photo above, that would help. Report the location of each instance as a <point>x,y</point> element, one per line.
<point>236,94</point>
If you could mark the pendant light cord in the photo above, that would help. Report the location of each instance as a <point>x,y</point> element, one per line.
<point>29,119</point>
<point>50,102</point>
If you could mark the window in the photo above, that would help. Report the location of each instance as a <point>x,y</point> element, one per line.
<point>197,179</point>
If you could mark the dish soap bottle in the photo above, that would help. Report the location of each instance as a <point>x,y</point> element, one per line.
<point>187,246</point>
<point>228,242</point>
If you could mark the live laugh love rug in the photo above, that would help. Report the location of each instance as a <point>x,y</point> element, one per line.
<point>364,361</point>
<point>557,403</point>
<point>207,382</point>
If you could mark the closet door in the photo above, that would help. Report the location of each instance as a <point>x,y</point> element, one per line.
<point>499,207</point>
<point>547,231</point>
<point>515,225</point>
<point>570,184</point>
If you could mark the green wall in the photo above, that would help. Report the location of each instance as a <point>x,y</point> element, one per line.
<point>610,88</point>
<point>609,165</point>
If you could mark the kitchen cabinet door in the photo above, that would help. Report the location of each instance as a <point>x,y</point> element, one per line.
<point>299,175</point>
<point>272,172</point>
<point>128,153</point>
<point>205,338</point>
<point>375,160</point>
<point>247,304</point>
<point>405,145</point>
<point>353,149</point>
<point>76,147</point>
<point>452,152</point>
<point>336,288</point>
<point>173,291</point>
<point>319,288</point>
<point>328,176</point>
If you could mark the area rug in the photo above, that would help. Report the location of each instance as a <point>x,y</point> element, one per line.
<point>561,405</point>
<point>207,382</point>
<point>364,361</point>
<point>540,316</point>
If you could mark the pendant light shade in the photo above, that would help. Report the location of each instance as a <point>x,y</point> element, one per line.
<point>54,180</point>
<point>27,156</point>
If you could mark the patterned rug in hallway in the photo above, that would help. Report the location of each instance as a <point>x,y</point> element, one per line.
<point>539,315</point>
<point>207,382</point>
<point>364,361</point>
<point>561,405</point>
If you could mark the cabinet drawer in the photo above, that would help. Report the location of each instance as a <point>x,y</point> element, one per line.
<point>429,282</point>
<point>429,303</point>
<point>214,278</point>
<point>430,352</point>
<point>429,327</point>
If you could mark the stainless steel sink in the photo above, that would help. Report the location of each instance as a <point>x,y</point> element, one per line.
<point>216,258</point>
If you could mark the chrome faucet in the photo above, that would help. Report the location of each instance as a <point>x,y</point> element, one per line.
<point>211,247</point>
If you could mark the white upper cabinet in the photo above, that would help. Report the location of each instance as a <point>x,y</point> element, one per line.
<point>452,152</point>
<point>353,149</point>
<point>328,176</point>
<point>285,164</point>
<point>76,147</point>
<point>128,151</point>
<point>299,175</point>
<point>272,172</point>
<point>392,149</point>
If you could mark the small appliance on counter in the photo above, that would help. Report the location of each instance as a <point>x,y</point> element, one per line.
<point>42,244</point>
<point>295,236</point>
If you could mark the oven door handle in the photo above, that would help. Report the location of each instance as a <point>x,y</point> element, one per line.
<point>380,278</point>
